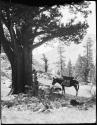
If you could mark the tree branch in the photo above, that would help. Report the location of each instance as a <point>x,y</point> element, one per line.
<point>9,27</point>
<point>6,46</point>
<point>37,44</point>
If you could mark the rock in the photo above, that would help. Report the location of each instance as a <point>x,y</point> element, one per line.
<point>74,102</point>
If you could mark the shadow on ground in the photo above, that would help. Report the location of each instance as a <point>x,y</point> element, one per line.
<point>48,100</point>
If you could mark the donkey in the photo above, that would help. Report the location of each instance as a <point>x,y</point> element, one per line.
<point>66,82</point>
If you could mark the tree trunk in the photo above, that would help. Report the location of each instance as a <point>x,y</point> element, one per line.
<point>28,65</point>
<point>21,63</point>
<point>22,70</point>
<point>18,74</point>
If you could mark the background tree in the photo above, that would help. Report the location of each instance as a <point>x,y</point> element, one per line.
<point>81,69</point>
<point>78,73</point>
<point>88,50</point>
<point>61,59</point>
<point>92,74</point>
<point>69,69</point>
<point>84,66</point>
<point>26,24</point>
<point>44,58</point>
<point>88,58</point>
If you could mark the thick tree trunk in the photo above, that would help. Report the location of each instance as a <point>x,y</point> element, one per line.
<point>28,65</point>
<point>22,70</point>
<point>18,74</point>
<point>21,63</point>
<point>14,79</point>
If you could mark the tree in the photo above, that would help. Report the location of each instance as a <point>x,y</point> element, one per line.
<point>45,62</point>
<point>85,66</point>
<point>88,58</point>
<point>26,24</point>
<point>92,74</point>
<point>78,73</point>
<point>61,59</point>
<point>69,68</point>
<point>81,69</point>
<point>88,51</point>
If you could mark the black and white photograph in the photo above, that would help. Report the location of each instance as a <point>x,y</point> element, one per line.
<point>48,62</point>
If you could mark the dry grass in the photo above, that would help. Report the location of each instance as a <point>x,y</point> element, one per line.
<point>45,101</point>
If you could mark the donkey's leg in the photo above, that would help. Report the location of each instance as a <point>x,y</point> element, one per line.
<point>63,88</point>
<point>75,86</point>
<point>76,92</point>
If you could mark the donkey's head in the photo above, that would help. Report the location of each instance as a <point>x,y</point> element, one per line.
<point>54,81</point>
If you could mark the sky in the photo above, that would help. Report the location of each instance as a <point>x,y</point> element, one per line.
<point>73,50</point>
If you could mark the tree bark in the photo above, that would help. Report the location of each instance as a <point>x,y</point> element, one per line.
<point>20,58</point>
<point>22,70</point>
<point>18,74</point>
<point>28,65</point>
